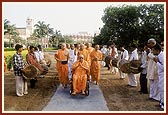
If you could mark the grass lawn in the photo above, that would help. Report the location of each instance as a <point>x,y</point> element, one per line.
<point>11,53</point>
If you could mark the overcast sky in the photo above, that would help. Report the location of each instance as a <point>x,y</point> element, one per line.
<point>68,17</point>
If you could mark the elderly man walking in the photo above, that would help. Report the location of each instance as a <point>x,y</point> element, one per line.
<point>96,57</point>
<point>62,57</point>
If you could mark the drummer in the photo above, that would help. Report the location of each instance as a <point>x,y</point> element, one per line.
<point>114,54</point>
<point>131,77</point>
<point>18,65</point>
<point>124,56</point>
<point>31,59</point>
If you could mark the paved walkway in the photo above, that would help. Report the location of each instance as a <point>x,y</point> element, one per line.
<point>63,101</point>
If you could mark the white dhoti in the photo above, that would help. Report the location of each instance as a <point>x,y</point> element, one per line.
<point>132,79</point>
<point>161,87</point>
<point>154,89</point>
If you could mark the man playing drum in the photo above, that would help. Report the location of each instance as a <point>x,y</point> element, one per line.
<point>124,56</point>
<point>31,59</point>
<point>131,77</point>
<point>18,65</point>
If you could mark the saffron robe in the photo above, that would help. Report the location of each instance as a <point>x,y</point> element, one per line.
<point>95,65</point>
<point>80,70</point>
<point>62,69</point>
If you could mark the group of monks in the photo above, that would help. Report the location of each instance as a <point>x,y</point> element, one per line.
<point>82,61</point>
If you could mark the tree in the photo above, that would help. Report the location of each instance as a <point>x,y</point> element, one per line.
<point>131,24</point>
<point>42,30</point>
<point>152,22</point>
<point>55,38</point>
<point>10,31</point>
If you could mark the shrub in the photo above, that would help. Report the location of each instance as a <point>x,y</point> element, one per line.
<point>9,61</point>
<point>9,49</point>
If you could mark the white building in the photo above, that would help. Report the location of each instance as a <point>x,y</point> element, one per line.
<point>81,37</point>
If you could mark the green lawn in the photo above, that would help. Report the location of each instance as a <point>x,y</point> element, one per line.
<point>11,53</point>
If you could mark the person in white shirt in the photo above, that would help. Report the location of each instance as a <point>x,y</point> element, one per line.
<point>103,50</point>
<point>152,73</point>
<point>114,54</point>
<point>131,77</point>
<point>37,54</point>
<point>71,60</point>
<point>41,54</point>
<point>124,56</point>
<point>108,57</point>
<point>159,59</point>
<point>41,57</point>
<point>142,78</point>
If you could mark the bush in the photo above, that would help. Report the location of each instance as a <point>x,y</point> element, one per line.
<point>9,49</point>
<point>9,61</point>
<point>6,44</point>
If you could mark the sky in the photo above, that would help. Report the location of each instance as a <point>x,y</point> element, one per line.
<point>68,17</point>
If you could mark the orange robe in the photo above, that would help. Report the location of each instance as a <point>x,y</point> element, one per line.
<point>80,76</point>
<point>90,49</point>
<point>85,53</point>
<point>62,68</point>
<point>95,65</point>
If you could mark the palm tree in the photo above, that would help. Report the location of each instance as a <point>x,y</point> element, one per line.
<point>42,30</point>
<point>10,30</point>
<point>6,25</point>
<point>55,38</point>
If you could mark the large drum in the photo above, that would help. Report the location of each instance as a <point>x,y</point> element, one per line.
<point>115,62</point>
<point>134,66</point>
<point>45,67</point>
<point>107,59</point>
<point>124,66</point>
<point>30,72</point>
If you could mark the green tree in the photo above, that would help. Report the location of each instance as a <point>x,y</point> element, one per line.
<point>42,30</point>
<point>55,38</point>
<point>129,24</point>
<point>10,31</point>
<point>151,22</point>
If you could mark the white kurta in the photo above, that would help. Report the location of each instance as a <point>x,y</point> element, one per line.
<point>37,56</point>
<point>160,65</point>
<point>152,75</point>
<point>131,77</point>
<point>144,62</point>
<point>70,62</point>
<point>125,56</point>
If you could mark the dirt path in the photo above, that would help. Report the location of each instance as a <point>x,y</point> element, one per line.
<point>120,97</point>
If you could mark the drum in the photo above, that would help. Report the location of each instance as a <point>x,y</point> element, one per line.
<point>124,66</point>
<point>30,72</point>
<point>45,67</point>
<point>107,60</point>
<point>134,66</point>
<point>48,62</point>
<point>114,62</point>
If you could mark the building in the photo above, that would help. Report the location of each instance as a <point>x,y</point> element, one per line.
<point>81,37</point>
<point>25,32</point>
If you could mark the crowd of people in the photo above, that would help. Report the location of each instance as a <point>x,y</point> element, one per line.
<point>77,64</point>
<point>151,56</point>
<point>80,63</point>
